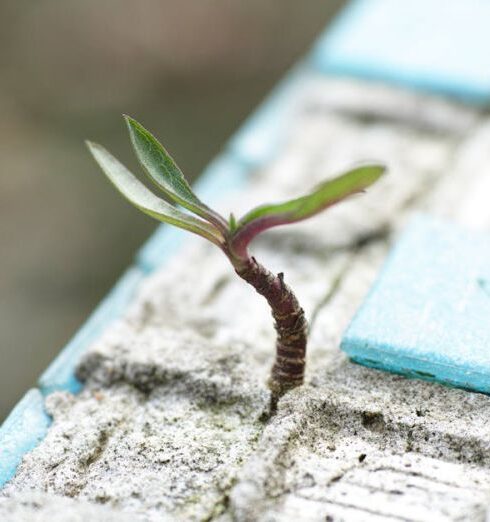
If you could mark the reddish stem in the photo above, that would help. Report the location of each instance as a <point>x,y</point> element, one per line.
<point>290,324</point>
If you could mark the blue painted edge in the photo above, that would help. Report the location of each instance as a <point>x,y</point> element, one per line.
<point>261,135</point>
<point>431,371</point>
<point>443,86</point>
<point>159,247</point>
<point>381,356</point>
<point>24,429</point>
<point>60,374</point>
<point>323,58</point>
<point>223,176</point>
<point>346,17</point>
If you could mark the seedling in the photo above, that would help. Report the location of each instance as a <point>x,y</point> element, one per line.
<point>233,236</point>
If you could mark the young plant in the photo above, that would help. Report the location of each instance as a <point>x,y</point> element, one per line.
<point>234,236</point>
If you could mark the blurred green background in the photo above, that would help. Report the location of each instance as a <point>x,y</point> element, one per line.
<point>189,71</point>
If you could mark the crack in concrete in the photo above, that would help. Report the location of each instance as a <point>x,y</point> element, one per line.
<point>355,247</point>
<point>358,508</point>
<point>331,292</point>
<point>418,474</point>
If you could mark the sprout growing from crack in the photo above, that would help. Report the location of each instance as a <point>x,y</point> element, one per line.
<point>234,236</point>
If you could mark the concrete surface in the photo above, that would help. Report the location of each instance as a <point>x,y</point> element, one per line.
<point>173,421</point>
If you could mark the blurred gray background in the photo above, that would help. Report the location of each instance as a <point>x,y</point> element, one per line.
<point>189,71</point>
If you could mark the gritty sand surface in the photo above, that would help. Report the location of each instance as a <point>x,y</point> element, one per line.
<point>172,423</point>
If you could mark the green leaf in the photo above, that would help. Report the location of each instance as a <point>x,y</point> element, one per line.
<point>164,172</point>
<point>232,223</point>
<point>142,198</point>
<point>326,194</point>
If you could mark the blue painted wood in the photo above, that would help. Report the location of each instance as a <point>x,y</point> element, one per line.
<point>160,246</point>
<point>427,315</point>
<point>23,429</point>
<point>60,374</point>
<point>434,45</point>
<point>223,176</point>
<point>260,137</point>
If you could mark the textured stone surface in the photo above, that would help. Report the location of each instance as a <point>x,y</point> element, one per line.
<point>172,423</point>
<point>41,507</point>
<point>173,450</point>
<point>365,445</point>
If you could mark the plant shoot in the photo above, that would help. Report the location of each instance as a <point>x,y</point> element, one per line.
<point>234,236</point>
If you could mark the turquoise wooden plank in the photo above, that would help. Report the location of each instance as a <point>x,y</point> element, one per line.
<point>427,315</point>
<point>60,374</point>
<point>260,137</point>
<point>161,245</point>
<point>434,45</point>
<point>223,176</point>
<point>23,429</point>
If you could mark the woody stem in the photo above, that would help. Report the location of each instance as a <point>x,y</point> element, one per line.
<point>289,321</point>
